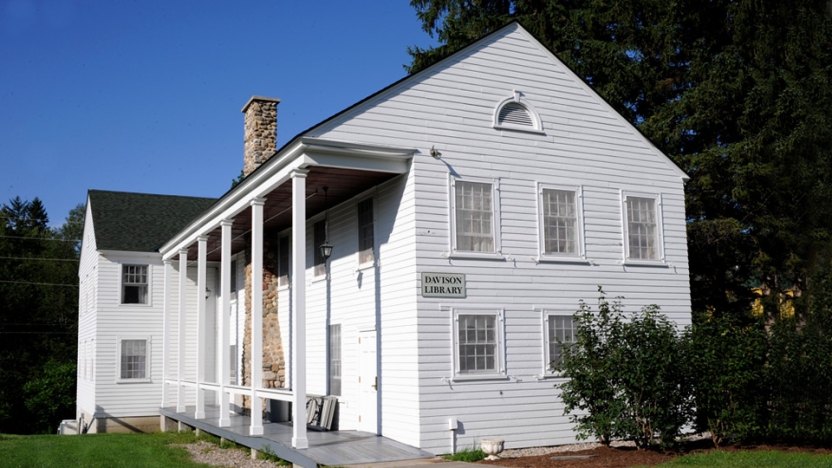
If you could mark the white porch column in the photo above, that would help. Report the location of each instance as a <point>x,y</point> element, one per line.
<point>257,314</point>
<point>180,362</point>
<point>225,311</point>
<point>165,330</point>
<point>201,284</point>
<point>299,439</point>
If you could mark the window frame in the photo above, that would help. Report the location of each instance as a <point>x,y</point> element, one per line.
<point>330,359</point>
<point>660,259</point>
<point>147,358</point>
<point>122,284</point>
<point>499,372</point>
<point>517,98</point>
<point>495,218</point>
<point>232,280</point>
<point>547,341</point>
<point>372,262</point>
<point>287,238</point>
<point>580,255</point>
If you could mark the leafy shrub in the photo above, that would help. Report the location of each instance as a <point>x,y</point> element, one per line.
<point>627,377</point>
<point>469,455</point>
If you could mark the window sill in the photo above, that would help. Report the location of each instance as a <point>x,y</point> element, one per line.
<point>519,129</point>
<point>555,259</point>
<point>133,381</point>
<point>318,279</point>
<point>475,256</point>
<point>135,305</point>
<point>365,266</point>
<point>645,263</point>
<point>475,377</point>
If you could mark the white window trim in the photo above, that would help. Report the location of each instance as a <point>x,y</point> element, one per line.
<point>625,239</point>
<point>287,234</point>
<point>367,265</point>
<point>495,219</point>
<point>580,256</point>
<point>500,374</point>
<point>149,302</point>
<point>517,97</point>
<point>545,314</point>
<point>147,361</point>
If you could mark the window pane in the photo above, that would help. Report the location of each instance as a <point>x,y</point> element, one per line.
<point>283,261</point>
<point>474,217</point>
<point>561,335</point>
<point>477,343</point>
<point>133,359</point>
<point>560,222</point>
<point>642,228</point>
<point>134,284</point>
<point>335,360</point>
<point>319,236</point>
<point>365,231</point>
<point>232,283</point>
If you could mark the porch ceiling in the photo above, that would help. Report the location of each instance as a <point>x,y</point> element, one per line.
<point>277,213</point>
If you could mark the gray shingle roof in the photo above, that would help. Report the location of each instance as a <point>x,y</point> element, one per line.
<point>140,222</point>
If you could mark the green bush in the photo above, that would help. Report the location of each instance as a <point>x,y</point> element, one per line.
<point>627,377</point>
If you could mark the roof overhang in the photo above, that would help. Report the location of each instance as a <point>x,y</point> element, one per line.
<point>304,153</point>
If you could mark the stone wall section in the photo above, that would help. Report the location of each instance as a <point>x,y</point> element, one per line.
<point>274,364</point>
<point>260,132</point>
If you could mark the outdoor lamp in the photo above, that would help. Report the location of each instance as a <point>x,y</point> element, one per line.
<point>326,250</point>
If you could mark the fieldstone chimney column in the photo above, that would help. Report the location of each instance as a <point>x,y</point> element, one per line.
<point>260,132</point>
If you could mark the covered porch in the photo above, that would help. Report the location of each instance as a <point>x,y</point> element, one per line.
<point>283,193</point>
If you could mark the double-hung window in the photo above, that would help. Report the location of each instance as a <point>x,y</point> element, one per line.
<point>475,217</point>
<point>232,282</point>
<point>366,235</point>
<point>642,228</point>
<point>559,333</point>
<point>134,284</point>
<point>560,221</point>
<point>335,360</point>
<point>133,359</point>
<point>283,249</point>
<point>478,344</point>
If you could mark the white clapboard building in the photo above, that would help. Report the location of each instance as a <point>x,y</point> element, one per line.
<point>468,207</point>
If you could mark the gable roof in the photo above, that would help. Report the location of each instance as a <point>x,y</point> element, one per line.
<point>140,222</point>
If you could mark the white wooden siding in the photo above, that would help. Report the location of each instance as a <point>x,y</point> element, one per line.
<point>88,276</point>
<point>451,108</point>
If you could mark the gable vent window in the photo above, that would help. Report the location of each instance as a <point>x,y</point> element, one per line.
<point>516,113</point>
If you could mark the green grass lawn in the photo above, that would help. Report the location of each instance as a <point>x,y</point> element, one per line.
<point>96,450</point>
<point>752,459</point>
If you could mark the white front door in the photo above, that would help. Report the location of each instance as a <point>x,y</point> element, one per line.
<point>368,383</point>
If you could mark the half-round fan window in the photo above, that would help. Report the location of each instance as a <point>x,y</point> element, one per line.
<point>516,114</point>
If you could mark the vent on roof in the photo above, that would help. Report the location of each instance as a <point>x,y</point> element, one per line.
<point>515,114</point>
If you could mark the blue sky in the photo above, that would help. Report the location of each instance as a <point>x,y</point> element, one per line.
<point>145,96</point>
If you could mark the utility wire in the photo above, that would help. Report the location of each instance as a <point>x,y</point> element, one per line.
<point>39,284</point>
<point>42,259</point>
<point>41,238</point>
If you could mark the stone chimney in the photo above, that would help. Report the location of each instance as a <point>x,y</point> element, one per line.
<point>260,131</point>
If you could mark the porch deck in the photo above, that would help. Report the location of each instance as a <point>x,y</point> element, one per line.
<point>334,448</point>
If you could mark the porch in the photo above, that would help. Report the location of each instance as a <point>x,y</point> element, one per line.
<point>331,448</point>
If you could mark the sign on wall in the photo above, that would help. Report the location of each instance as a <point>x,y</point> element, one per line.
<point>449,285</point>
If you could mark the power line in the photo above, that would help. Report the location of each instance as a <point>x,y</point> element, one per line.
<point>41,238</point>
<point>36,333</point>
<point>39,284</point>
<point>43,259</point>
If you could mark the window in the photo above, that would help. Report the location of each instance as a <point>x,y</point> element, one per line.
<point>475,217</point>
<point>232,360</point>
<point>516,113</point>
<point>559,334</point>
<point>335,360</point>
<point>283,247</point>
<point>478,344</point>
<point>232,283</point>
<point>318,238</point>
<point>365,232</point>
<point>642,226</point>
<point>134,284</point>
<point>560,220</point>
<point>133,359</point>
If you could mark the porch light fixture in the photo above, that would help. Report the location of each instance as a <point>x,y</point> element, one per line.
<point>326,247</point>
